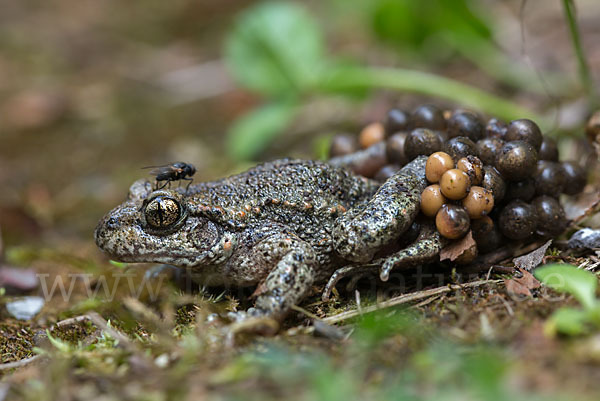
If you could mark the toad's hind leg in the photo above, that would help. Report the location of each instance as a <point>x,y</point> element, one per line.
<point>363,230</point>
<point>425,249</point>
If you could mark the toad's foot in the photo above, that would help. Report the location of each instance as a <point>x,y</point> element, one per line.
<point>291,263</point>
<point>346,271</point>
<point>424,250</point>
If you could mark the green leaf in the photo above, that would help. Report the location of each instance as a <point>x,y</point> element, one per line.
<point>120,265</point>
<point>416,24</point>
<point>400,22</point>
<point>566,278</point>
<point>59,344</point>
<point>275,48</point>
<point>568,321</point>
<point>252,132</point>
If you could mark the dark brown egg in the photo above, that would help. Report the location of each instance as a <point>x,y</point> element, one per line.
<point>551,216</point>
<point>395,148</point>
<point>550,179</point>
<point>489,149</point>
<point>486,234</point>
<point>397,120</point>
<point>548,150</point>
<point>523,190</point>
<point>429,116</point>
<point>421,141</point>
<point>575,178</point>
<point>495,128</point>
<point>342,144</point>
<point>481,227</point>
<point>443,135</point>
<point>493,181</point>
<point>518,220</point>
<point>524,130</point>
<point>365,162</point>
<point>517,160</point>
<point>452,221</point>
<point>465,123</point>
<point>459,147</point>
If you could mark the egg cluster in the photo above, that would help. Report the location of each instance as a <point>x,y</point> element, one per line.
<point>499,180</point>
<point>461,183</point>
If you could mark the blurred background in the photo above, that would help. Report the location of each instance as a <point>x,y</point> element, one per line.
<point>92,91</point>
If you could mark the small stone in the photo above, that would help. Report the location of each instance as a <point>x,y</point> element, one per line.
<point>25,308</point>
<point>585,238</point>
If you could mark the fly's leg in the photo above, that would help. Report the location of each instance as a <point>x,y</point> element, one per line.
<point>189,183</point>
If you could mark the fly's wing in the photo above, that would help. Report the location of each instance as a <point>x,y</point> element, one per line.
<point>168,172</point>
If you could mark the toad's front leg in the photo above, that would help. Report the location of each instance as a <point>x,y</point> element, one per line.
<point>291,263</point>
<point>365,229</point>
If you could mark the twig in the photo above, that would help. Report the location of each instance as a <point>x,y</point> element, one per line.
<point>402,299</point>
<point>427,301</point>
<point>70,321</point>
<point>19,363</point>
<point>117,335</point>
<point>305,312</point>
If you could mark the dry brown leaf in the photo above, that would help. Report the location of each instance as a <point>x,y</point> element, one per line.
<point>528,280</point>
<point>532,259</point>
<point>459,248</point>
<point>515,288</point>
<point>522,285</point>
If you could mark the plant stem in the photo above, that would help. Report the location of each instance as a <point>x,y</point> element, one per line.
<point>431,85</point>
<point>584,71</point>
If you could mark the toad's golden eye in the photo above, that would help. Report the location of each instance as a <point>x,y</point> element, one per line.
<point>161,212</point>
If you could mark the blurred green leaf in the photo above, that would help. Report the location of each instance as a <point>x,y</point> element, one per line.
<point>400,22</point>
<point>412,24</point>
<point>463,18</point>
<point>568,321</point>
<point>485,368</point>
<point>252,132</point>
<point>275,48</point>
<point>377,326</point>
<point>120,265</point>
<point>566,278</point>
<point>321,146</point>
<point>59,344</point>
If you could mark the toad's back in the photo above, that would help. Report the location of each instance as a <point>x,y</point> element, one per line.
<point>285,191</point>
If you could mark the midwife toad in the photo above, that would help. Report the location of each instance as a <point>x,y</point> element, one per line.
<point>281,226</point>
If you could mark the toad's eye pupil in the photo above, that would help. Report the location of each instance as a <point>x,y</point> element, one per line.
<point>162,212</point>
